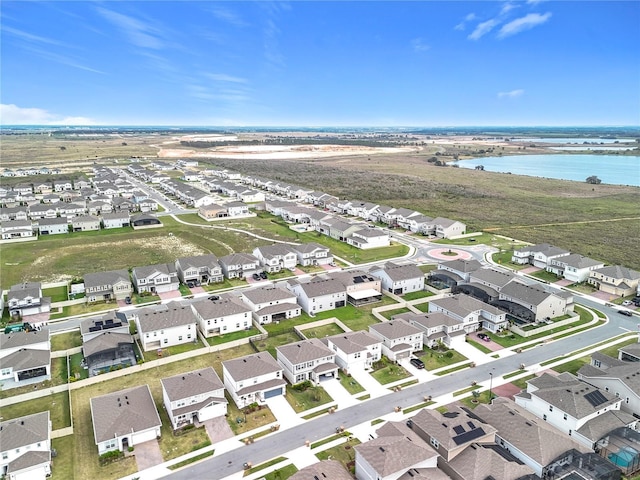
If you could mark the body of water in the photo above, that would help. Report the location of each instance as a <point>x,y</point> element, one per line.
<point>568,140</point>
<point>612,169</point>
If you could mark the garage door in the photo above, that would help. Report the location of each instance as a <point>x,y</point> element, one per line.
<point>273,393</point>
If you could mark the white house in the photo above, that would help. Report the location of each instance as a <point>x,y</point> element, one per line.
<point>196,395</point>
<point>124,419</point>
<point>239,265</point>
<point>307,360</point>
<point>447,228</point>
<point>25,447</point>
<point>224,314</point>
<point>166,326</point>
<point>461,268</point>
<point>399,338</point>
<point>355,351</point>
<point>366,238</point>
<point>159,278</point>
<point>574,267</point>
<point>85,223</point>
<point>538,255</point>
<point>318,294</point>
<point>116,220</point>
<point>105,286</point>
<point>53,226</point>
<point>25,356</point>
<point>202,268</point>
<point>473,313</point>
<point>276,257</point>
<point>14,229</point>
<point>26,299</point>
<point>312,254</point>
<point>237,209</point>
<point>271,304</point>
<point>436,327</point>
<point>253,378</point>
<point>399,279</point>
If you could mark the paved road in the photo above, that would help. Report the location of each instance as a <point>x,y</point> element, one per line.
<point>312,430</point>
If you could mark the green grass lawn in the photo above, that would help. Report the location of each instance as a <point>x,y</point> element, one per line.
<point>62,463</point>
<point>434,359</point>
<point>416,295</point>
<point>472,402</point>
<point>390,313</point>
<point>57,404</point>
<point>423,307</point>
<point>343,453</point>
<point>546,276</point>
<point>230,337</point>
<point>323,331</point>
<point>77,370</point>
<point>281,473</point>
<point>173,446</point>
<point>350,384</point>
<point>387,372</point>
<point>173,350</point>
<point>310,398</point>
<point>504,258</point>
<point>59,372</point>
<point>270,343</point>
<point>57,294</point>
<point>242,421</point>
<point>484,238</point>
<point>65,341</point>
<point>479,346</point>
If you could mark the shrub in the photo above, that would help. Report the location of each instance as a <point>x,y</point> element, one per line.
<point>110,457</point>
<point>302,386</point>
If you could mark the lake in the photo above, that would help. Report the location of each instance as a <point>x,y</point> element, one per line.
<point>612,169</point>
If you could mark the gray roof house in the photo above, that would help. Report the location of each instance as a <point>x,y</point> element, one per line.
<point>159,278</point>
<point>85,223</point>
<point>224,314</point>
<point>472,312</point>
<point>124,419</point>
<point>436,327</point>
<point>462,268</point>
<point>52,226</point>
<point>574,267</point>
<point>105,286</point>
<point>312,254</point>
<point>276,257</point>
<point>161,328</point>
<point>325,469</point>
<point>196,395</point>
<point>239,265</point>
<point>253,378</point>
<point>319,294</point>
<point>399,279</point>
<point>25,447</point>
<point>26,299</point>
<point>538,304</point>
<point>307,360</point>
<point>615,280</point>
<point>271,304</point>
<point>202,268</point>
<point>355,350</point>
<point>399,338</point>
<point>538,255</point>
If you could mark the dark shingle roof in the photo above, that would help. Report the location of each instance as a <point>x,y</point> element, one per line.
<point>23,431</point>
<point>251,366</point>
<point>186,385</point>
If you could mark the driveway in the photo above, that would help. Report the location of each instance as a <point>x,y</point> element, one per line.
<point>218,429</point>
<point>170,295</point>
<point>196,290</point>
<point>339,394</point>
<point>148,454</point>
<point>284,413</point>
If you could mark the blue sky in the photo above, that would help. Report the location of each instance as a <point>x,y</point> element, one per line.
<point>305,63</point>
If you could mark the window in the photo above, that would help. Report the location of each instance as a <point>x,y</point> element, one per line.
<point>565,416</point>
<point>180,338</point>
<point>188,336</point>
<point>166,341</point>
<point>551,408</point>
<point>5,455</point>
<point>544,417</point>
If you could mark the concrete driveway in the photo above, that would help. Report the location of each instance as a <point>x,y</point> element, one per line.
<point>218,429</point>
<point>148,454</point>
<point>284,413</point>
<point>339,394</point>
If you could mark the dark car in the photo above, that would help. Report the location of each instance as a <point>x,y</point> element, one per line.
<point>191,284</point>
<point>416,362</point>
<point>625,312</point>
<point>255,276</point>
<point>263,275</point>
<point>213,298</point>
<point>484,336</point>
<point>127,300</point>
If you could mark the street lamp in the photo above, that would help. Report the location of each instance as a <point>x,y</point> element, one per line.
<point>490,384</point>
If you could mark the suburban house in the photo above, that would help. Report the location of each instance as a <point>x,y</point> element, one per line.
<point>166,326</point>
<point>436,327</point>
<point>615,280</point>
<point>361,287</point>
<point>212,211</point>
<point>355,351</point>
<point>14,229</point>
<point>399,338</point>
<point>85,223</point>
<point>462,269</point>
<point>43,210</point>
<point>537,303</point>
<point>396,453</point>
<point>490,281</point>
<point>253,379</point>
<point>204,269</point>
<point>106,286</point>
<point>319,294</point>
<point>239,265</point>
<point>312,254</point>
<point>145,220</point>
<point>52,226</point>
<point>25,447</point>
<point>574,267</point>
<point>306,360</point>
<point>193,396</point>
<point>329,469</point>
<point>106,344</point>
<point>25,356</point>
<point>124,419</point>
<point>26,299</point>
<point>586,413</point>
<point>116,220</point>
<point>537,444</point>
<point>538,255</point>
<point>276,257</point>
<point>366,238</point>
<point>399,279</point>
<point>447,228</point>
<point>237,209</point>
<point>473,313</point>
<point>224,314</point>
<point>271,304</point>
<point>159,278</point>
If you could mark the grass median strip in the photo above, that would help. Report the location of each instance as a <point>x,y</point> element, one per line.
<point>191,460</point>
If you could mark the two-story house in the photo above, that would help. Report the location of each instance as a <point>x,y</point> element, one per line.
<point>221,314</point>
<point>436,327</point>
<point>106,343</point>
<point>574,267</point>
<point>166,326</point>
<point>399,338</point>
<point>461,268</point>
<point>24,356</point>
<point>204,269</point>
<point>191,396</point>
<point>473,313</point>
<point>615,280</point>
<point>105,286</point>
<point>366,238</point>
<point>124,419</point>
<point>26,299</point>
<point>307,360</point>
<point>253,379</point>
<point>319,294</point>
<point>312,254</point>
<point>25,447</point>
<point>399,279</point>
<point>538,304</point>
<point>538,255</point>
<point>85,223</point>
<point>116,220</point>
<point>159,278</point>
<point>271,304</point>
<point>355,351</point>
<point>239,265</point>
<point>277,257</point>
<point>52,226</point>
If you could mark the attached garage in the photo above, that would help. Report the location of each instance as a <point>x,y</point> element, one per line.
<point>273,393</point>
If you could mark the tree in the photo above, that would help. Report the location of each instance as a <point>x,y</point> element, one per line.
<point>593,180</point>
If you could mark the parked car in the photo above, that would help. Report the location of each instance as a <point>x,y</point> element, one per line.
<point>263,275</point>
<point>416,362</point>
<point>484,336</point>
<point>127,300</point>
<point>191,284</point>
<point>626,303</point>
<point>625,312</point>
<point>255,276</point>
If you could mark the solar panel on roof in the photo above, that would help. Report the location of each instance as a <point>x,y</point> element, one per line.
<point>471,425</point>
<point>459,429</point>
<point>468,436</point>
<point>595,398</point>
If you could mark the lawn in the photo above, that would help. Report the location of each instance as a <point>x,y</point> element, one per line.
<point>434,359</point>
<point>65,341</point>
<point>504,258</point>
<point>57,294</point>
<point>343,453</point>
<point>242,421</point>
<point>63,462</point>
<point>350,384</point>
<point>416,295</point>
<point>230,337</point>
<point>312,397</point>
<point>546,276</point>
<point>472,402</point>
<point>57,404</point>
<point>77,371</point>
<point>173,446</point>
<point>423,307</point>
<point>390,313</point>
<point>485,239</point>
<point>281,473</point>
<point>386,371</point>
<point>323,331</point>
<point>172,350</point>
<point>270,343</point>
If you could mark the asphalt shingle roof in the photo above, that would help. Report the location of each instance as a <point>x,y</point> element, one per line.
<point>23,431</point>
<point>197,382</point>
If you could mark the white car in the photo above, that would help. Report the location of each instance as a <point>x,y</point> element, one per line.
<point>626,303</point>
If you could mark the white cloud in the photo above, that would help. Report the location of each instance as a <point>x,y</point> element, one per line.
<point>31,37</point>
<point>507,7</point>
<point>470,17</point>
<point>11,114</point>
<point>483,28</point>
<point>138,32</point>
<point>419,45</point>
<point>523,23</point>
<point>512,94</point>
<point>228,16</point>
<point>223,77</point>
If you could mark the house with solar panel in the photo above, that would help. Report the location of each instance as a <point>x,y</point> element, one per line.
<point>106,343</point>
<point>586,413</point>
